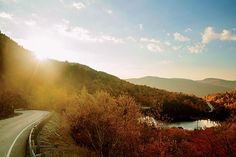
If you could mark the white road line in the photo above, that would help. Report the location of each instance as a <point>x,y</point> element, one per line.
<point>9,151</point>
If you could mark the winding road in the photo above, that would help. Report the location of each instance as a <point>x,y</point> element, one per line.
<point>210,106</point>
<point>15,131</point>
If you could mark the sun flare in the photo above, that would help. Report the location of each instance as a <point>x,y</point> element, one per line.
<point>40,56</point>
<point>43,46</point>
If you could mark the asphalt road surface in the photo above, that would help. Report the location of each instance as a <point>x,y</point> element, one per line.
<point>210,106</point>
<point>15,131</point>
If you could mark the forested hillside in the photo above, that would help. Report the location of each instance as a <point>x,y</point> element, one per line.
<point>48,84</point>
<point>227,99</point>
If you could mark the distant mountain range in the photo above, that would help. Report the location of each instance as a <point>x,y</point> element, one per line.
<point>198,87</point>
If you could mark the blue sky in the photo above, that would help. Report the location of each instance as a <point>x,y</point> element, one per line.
<point>192,39</point>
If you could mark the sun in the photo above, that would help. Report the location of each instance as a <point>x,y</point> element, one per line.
<point>42,46</point>
<point>45,46</point>
<point>40,56</point>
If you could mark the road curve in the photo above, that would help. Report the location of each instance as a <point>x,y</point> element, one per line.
<point>14,132</point>
<point>210,106</point>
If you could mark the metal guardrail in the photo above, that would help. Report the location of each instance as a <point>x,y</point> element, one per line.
<point>33,146</point>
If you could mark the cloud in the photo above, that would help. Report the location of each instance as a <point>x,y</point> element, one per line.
<point>154,47</point>
<point>85,35</point>
<point>30,22</point>
<point>140,27</point>
<point>188,30</point>
<point>130,38</point>
<point>180,37</point>
<point>197,48</point>
<point>226,35</point>
<point>167,43</point>
<point>210,35</point>
<point>76,32</point>
<point>5,15</point>
<point>149,40</point>
<point>78,5</point>
<point>108,11</point>
<point>176,48</point>
<point>111,39</point>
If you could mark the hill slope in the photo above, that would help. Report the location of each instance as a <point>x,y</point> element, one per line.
<point>199,88</point>
<point>49,84</point>
<point>219,82</point>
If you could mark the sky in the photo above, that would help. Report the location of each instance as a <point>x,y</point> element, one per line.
<point>192,39</point>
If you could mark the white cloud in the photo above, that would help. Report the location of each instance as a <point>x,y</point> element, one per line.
<point>85,35</point>
<point>78,5</point>
<point>5,15</point>
<point>130,38</point>
<point>108,11</point>
<point>111,39</point>
<point>149,40</point>
<point>180,37</point>
<point>154,47</point>
<point>30,22</point>
<point>76,32</point>
<point>210,35</point>
<point>197,48</point>
<point>176,47</point>
<point>140,27</point>
<point>188,30</point>
<point>167,43</point>
<point>226,35</point>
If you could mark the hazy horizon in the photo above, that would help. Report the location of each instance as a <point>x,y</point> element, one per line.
<point>179,78</point>
<point>177,39</point>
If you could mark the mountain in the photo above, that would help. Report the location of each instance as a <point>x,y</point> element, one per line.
<point>20,70</point>
<point>219,82</point>
<point>51,84</point>
<point>198,88</point>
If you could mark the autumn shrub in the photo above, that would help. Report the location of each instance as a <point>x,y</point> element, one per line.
<point>9,101</point>
<point>109,126</point>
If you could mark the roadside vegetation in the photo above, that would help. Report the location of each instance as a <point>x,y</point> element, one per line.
<point>106,125</point>
<point>9,100</point>
<point>110,127</point>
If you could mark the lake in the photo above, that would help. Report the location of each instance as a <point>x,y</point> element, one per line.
<point>191,125</point>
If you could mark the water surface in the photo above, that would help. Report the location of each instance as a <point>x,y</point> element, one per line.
<point>198,124</point>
